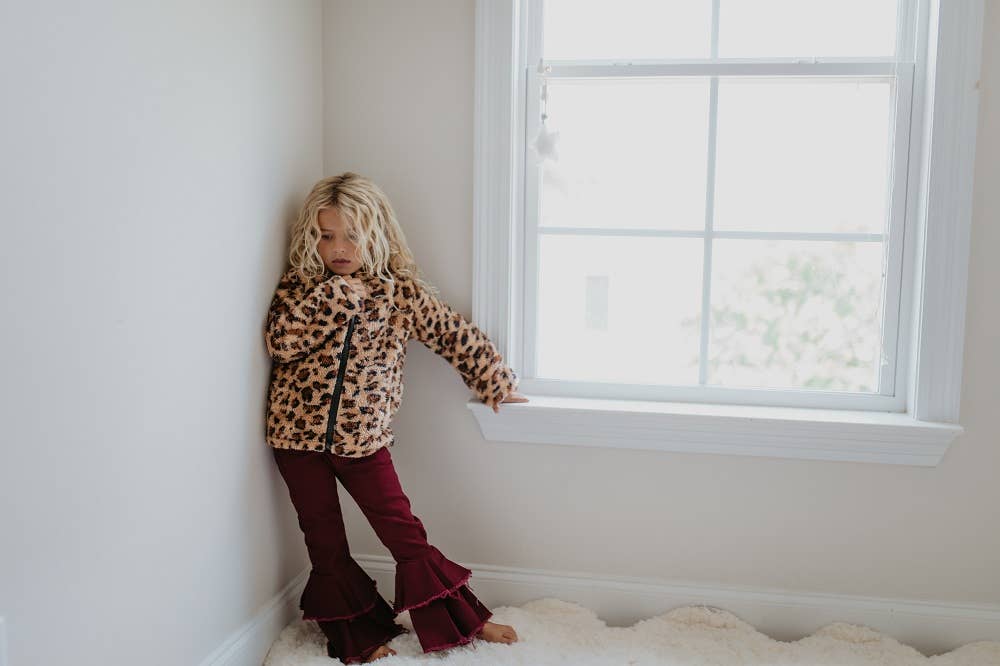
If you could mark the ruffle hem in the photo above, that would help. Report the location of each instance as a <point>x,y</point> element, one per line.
<point>353,640</point>
<point>444,610</point>
<point>350,611</point>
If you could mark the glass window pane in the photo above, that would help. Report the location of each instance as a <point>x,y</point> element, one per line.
<point>802,155</point>
<point>624,29</point>
<point>618,309</point>
<point>789,314</point>
<point>807,28</point>
<point>630,153</point>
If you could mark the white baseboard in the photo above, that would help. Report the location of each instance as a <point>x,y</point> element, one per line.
<point>248,645</point>
<point>930,626</point>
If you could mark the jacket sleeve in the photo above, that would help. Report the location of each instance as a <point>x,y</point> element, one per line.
<point>464,345</point>
<point>304,313</point>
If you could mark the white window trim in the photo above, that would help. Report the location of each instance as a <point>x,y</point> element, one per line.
<point>919,436</point>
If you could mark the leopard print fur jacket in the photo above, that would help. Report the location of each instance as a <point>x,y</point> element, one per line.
<point>337,359</point>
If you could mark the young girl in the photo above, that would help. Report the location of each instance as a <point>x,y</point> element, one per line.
<point>336,331</point>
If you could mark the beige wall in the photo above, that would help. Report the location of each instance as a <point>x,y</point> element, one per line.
<point>149,156</point>
<point>399,107</point>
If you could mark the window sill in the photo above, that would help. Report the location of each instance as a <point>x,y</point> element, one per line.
<point>782,432</point>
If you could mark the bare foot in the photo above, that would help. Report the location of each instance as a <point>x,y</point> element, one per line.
<point>380,651</point>
<point>497,633</point>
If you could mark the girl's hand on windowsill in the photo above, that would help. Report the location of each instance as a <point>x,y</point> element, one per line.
<point>513,397</point>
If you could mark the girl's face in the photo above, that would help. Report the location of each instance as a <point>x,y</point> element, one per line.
<point>336,244</point>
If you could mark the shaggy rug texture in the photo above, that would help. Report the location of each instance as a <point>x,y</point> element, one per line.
<point>552,631</point>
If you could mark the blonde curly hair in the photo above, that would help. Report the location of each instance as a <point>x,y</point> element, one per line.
<point>371,221</point>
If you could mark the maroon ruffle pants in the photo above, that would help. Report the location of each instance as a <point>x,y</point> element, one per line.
<point>339,595</point>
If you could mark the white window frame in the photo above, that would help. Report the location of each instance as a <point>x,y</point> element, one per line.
<point>913,427</point>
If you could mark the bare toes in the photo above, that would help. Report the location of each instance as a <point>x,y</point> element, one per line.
<point>498,633</point>
<point>381,651</point>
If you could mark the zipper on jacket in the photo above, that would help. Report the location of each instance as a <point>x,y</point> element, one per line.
<point>339,386</point>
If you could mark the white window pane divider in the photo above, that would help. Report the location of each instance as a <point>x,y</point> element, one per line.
<point>726,67</point>
<point>653,232</point>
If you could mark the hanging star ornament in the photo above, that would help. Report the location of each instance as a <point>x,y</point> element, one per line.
<point>545,144</point>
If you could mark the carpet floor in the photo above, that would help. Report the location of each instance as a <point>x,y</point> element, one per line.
<point>552,631</point>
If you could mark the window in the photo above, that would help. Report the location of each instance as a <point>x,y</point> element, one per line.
<point>726,211</point>
<point>744,241</point>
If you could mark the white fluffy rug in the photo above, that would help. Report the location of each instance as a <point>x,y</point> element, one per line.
<point>551,631</point>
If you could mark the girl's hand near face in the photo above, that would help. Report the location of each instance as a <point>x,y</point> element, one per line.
<point>513,397</point>
<point>357,284</point>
